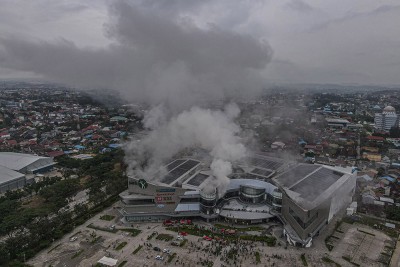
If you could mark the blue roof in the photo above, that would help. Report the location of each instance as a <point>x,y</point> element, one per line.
<point>389,178</point>
<point>114,145</point>
<point>79,147</point>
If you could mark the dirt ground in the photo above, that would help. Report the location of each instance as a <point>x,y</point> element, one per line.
<point>361,245</point>
<point>91,245</point>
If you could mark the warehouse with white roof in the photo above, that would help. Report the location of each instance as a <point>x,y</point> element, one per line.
<point>10,180</point>
<point>25,163</point>
<point>14,167</point>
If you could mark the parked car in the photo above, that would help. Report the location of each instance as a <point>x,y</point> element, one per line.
<point>185,222</point>
<point>157,249</point>
<point>207,238</point>
<point>169,222</point>
<point>158,257</point>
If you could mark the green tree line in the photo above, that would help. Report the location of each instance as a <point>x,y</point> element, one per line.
<point>26,230</point>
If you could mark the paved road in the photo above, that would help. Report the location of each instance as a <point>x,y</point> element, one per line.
<point>395,261</point>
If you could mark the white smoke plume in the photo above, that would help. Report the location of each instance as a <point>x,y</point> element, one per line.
<point>220,169</point>
<point>163,59</point>
<point>212,130</point>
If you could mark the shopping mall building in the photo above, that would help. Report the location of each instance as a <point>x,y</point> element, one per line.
<point>303,197</point>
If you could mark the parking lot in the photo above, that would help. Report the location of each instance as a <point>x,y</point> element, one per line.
<point>98,237</point>
<point>362,245</point>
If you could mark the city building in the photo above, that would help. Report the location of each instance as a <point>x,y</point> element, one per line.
<point>337,122</point>
<point>312,195</point>
<point>303,197</point>
<point>387,119</point>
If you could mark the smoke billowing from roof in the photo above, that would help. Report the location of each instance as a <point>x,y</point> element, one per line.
<point>214,131</point>
<point>221,169</point>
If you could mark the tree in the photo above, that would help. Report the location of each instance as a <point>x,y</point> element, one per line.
<point>310,154</point>
<point>381,171</point>
<point>58,193</point>
<point>393,213</point>
<point>4,254</point>
<point>68,162</point>
<point>97,196</point>
<point>32,229</point>
<point>7,207</point>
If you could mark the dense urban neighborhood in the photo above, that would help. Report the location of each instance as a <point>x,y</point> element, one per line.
<point>184,133</point>
<point>62,168</point>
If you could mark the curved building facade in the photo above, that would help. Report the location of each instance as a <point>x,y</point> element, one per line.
<point>304,198</point>
<point>208,202</point>
<point>277,200</point>
<point>251,194</point>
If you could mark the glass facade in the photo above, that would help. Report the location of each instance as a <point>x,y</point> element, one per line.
<point>253,200</point>
<point>277,200</point>
<point>269,199</point>
<point>250,194</point>
<point>207,205</point>
<point>252,191</point>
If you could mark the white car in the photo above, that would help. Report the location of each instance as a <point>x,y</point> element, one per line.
<point>179,237</point>
<point>158,257</point>
<point>72,239</point>
<point>165,250</point>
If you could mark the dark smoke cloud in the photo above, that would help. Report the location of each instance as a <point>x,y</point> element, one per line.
<point>153,58</point>
<point>160,57</point>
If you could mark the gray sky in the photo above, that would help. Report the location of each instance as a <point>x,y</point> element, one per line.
<point>310,41</point>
